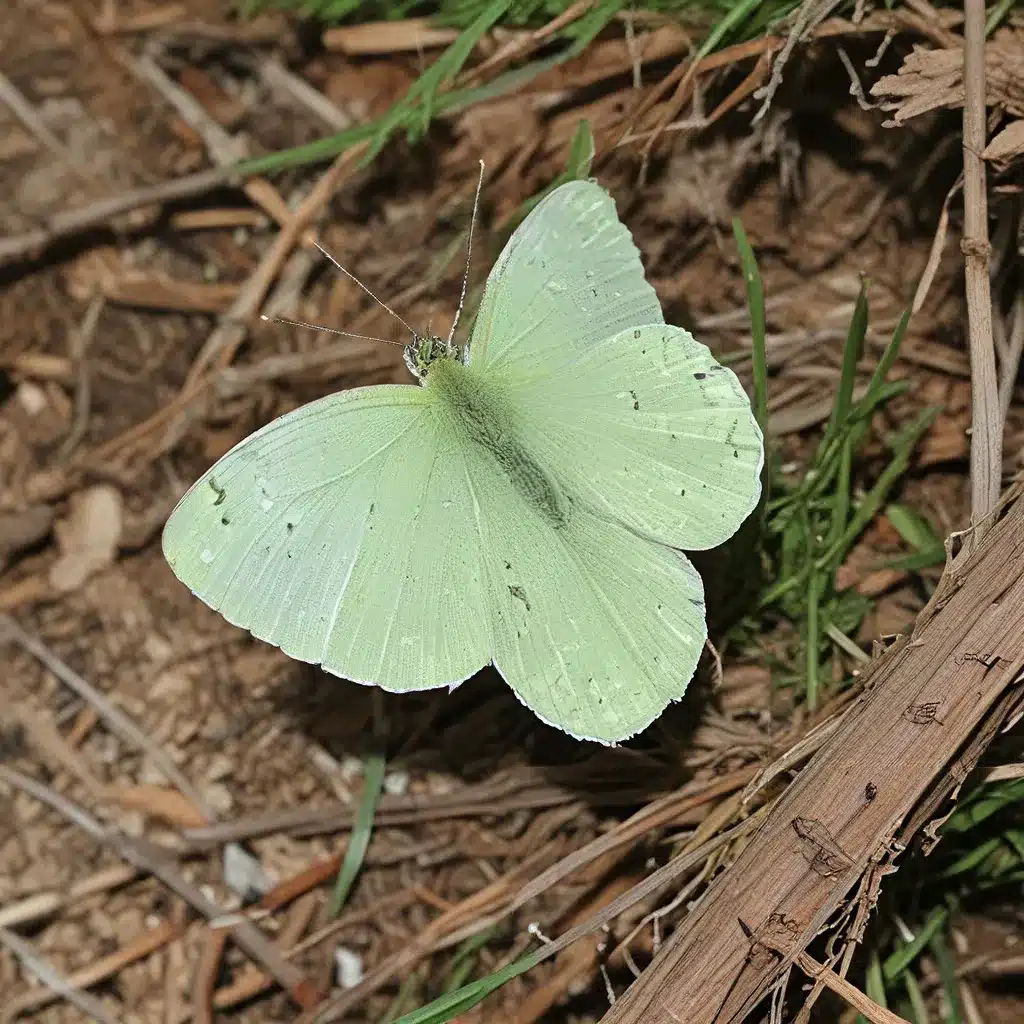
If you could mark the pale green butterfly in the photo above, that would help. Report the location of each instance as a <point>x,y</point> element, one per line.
<point>524,506</point>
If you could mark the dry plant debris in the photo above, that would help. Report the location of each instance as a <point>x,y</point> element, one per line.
<point>133,357</point>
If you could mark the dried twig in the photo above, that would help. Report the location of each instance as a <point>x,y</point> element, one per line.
<point>206,975</point>
<point>492,796</point>
<point>986,426</point>
<point>842,988</point>
<point>102,211</point>
<point>154,861</point>
<point>446,931</point>
<point>224,150</point>
<point>99,970</point>
<point>118,721</point>
<point>80,337</point>
<point>41,905</point>
<point>26,113</point>
<point>807,17</point>
<point>222,344</point>
<point>50,976</point>
<point>276,76</point>
<point>1015,347</point>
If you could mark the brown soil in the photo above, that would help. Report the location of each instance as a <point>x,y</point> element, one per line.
<point>826,195</point>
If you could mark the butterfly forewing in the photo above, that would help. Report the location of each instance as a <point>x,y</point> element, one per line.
<point>650,429</point>
<point>337,533</point>
<point>569,278</point>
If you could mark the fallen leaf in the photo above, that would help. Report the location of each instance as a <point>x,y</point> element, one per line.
<point>158,802</point>
<point>87,537</point>
<point>1006,144</point>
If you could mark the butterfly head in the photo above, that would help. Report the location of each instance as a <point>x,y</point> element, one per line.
<point>424,350</point>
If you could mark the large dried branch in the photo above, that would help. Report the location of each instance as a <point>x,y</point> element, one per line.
<point>909,731</point>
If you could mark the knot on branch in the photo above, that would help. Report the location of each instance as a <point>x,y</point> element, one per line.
<point>976,247</point>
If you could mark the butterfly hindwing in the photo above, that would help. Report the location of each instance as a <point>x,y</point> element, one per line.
<point>595,628</point>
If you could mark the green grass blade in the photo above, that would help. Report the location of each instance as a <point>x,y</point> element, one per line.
<point>362,830</point>
<point>416,109</point>
<point>405,992</point>
<point>984,802</point>
<point>450,1005</point>
<point>585,30</point>
<point>912,527</point>
<point>973,858</point>
<point>581,152</point>
<point>841,502</point>
<point>758,328</point>
<point>852,351</point>
<point>996,15</point>
<point>874,985</point>
<point>465,959</point>
<point>947,972</point>
<point>918,1009</point>
<point>903,957</point>
<point>581,155</point>
<point>736,16</point>
<point>445,103</point>
<point>813,644</point>
<point>892,350</point>
<point>902,447</point>
<point>310,153</point>
<point>911,563</point>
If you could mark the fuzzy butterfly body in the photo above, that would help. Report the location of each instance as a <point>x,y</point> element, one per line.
<point>526,505</point>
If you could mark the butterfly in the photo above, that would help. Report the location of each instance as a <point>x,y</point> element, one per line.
<point>525,504</point>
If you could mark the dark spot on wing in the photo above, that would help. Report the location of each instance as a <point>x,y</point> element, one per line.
<point>224,520</point>
<point>636,401</point>
<point>508,565</point>
<point>517,592</point>
<point>291,526</point>
<point>699,376</point>
<point>636,334</point>
<point>682,492</point>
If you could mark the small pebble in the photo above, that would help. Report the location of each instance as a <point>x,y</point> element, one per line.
<point>244,875</point>
<point>396,783</point>
<point>350,967</point>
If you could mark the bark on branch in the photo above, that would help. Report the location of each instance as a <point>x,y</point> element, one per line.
<point>929,704</point>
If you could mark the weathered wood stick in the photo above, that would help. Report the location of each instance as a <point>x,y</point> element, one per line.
<point>924,699</point>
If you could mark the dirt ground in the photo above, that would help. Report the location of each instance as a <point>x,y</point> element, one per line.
<point>97,339</point>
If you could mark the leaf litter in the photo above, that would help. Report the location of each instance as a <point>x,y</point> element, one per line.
<point>497,808</point>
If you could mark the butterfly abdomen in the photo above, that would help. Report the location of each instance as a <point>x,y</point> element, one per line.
<point>479,411</point>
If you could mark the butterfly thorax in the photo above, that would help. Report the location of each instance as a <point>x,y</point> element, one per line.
<point>427,349</point>
<point>480,411</point>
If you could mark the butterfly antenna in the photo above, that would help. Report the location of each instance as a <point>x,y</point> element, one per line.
<point>469,254</point>
<point>327,330</point>
<point>380,302</point>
